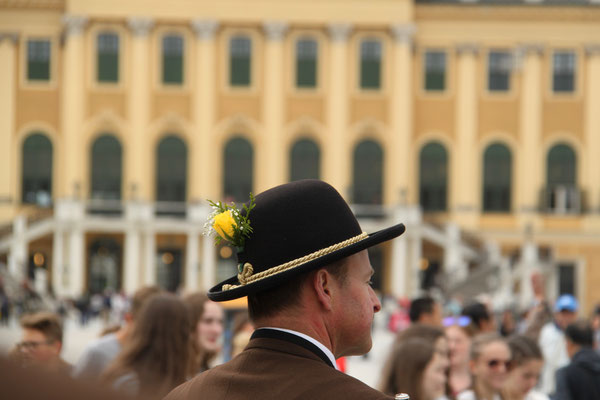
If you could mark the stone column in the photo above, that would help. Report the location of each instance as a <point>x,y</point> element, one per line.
<point>131,273</point>
<point>530,180</point>
<point>72,106</point>
<point>529,264</point>
<point>149,257</point>
<point>76,261</point>
<point>138,110</point>
<point>398,157</point>
<point>592,124</point>
<point>17,256</point>
<point>336,157</point>
<point>8,79</point>
<point>58,262</point>
<point>271,156</point>
<point>208,262</point>
<point>202,178</point>
<point>191,262</point>
<point>464,176</point>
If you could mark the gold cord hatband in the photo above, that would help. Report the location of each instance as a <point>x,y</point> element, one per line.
<point>247,276</point>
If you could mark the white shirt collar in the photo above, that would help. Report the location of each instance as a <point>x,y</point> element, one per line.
<point>314,341</point>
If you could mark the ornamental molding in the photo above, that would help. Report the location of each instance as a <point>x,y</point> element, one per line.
<point>592,49</point>
<point>205,28</point>
<point>339,32</point>
<point>275,30</point>
<point>404,33</point>
<point>74,24</point>
<point>531,48</point>
<point>467,48</point>
<point>140,26</point>
<point>10,36</point>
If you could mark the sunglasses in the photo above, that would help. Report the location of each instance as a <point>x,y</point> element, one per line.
<point>494,363</point>
<point>30,345</point>
<point>461,320</point>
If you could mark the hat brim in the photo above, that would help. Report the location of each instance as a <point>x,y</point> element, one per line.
<point>217,293</point>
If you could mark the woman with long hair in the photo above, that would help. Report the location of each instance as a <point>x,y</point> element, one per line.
<point>525,368</point>
<point>156,356</point>
<point>490,359</point>
<point>417,368</point>
<point>206,319</point>
<point>459,333</point>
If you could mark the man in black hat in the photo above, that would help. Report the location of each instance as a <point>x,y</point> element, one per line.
<point>307,275</point>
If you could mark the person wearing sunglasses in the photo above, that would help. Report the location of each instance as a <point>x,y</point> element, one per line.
<point>41,342</point>
<point>490,360</point>
<point>525,368</point>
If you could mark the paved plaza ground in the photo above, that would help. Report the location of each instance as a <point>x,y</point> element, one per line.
<point>367,369</point>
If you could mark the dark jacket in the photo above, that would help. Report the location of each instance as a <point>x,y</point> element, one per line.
<point>580,380</point>
<point>275,369</point>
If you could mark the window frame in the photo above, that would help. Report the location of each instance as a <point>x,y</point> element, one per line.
<point>317,61</point>
<point>360,42</point>
<point>124,35</point>
<point>230,61</point>
<point>576,72</point>
<point>447,71</point>
<point>488,72</point>
<point>34,84</point>
<point>511,182</point>
<point>448,171</point>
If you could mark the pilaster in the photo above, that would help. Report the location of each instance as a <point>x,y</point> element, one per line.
<point>592,124</point>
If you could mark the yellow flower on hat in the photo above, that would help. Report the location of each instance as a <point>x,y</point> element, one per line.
<point>224,224</point>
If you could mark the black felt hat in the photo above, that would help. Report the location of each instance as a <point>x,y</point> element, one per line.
<point>297,227</point>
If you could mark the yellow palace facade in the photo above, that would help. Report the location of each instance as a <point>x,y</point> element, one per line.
<point>477,123</point>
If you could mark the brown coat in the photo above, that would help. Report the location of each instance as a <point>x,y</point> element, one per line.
<point>274,369</point>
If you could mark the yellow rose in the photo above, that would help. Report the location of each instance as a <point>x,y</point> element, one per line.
<point>224,225</point>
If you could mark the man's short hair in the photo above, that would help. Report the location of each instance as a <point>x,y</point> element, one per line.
<point>420,306</point>
<point>478,312</point>
<point>49,324</point>
<point>269,302</point>
<point>581,333</point>
<point>140,297</point>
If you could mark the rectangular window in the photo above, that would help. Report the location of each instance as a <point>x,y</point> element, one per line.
<point>370,64</point>
<point>563,76</point>
<point>566,279</point>
<point>38,60</point>
<point>172,50</point>
<point>435,70</point>
<point>499,68</point>
<point>306,63</point>
<point>108,57</point>
<point>240,53</point>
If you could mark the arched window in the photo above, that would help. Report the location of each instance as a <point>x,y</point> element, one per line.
<point>433,175</point>
<point>497,172</point>
<point>106,168</point>
<point>171,173</point>
<point>368,173</point>
<point>238,165</point>
<point>240,60</point>
<point>36,167</point>
<point>305,160</point>
<point>561,166</point>
<point>562,195</point>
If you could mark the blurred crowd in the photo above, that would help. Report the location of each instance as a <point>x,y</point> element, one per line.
<point>156,340</point>
<point>548,352</point>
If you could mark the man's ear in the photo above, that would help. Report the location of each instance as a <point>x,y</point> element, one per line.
<point>322,285</point>
<point>57,346</point>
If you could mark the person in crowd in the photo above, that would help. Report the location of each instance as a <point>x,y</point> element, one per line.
<point>525,367</point>
<point>425,310</point>
<point>596,327</point>
<point>580,379</point>
<point>490,359</point>
<point>42,341</point>
<point>431,333</point>
<point>459,332</point>
<point>241,333</point>
<point>508,325</point>
<point>303,264</point>
<point>481,317</point>
<point>207,328</point>
<point>416,368</point>
<point>552,341</point>
<point>101,352</point>
<point>157,355</point>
